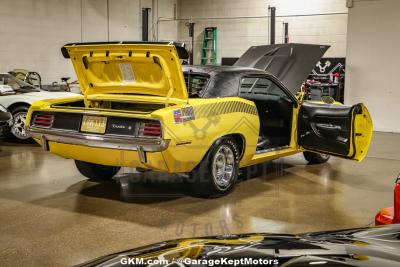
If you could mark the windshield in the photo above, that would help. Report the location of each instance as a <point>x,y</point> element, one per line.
<point>198,82</point>
<point>16,84</point>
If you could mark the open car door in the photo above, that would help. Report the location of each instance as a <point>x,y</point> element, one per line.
<point>338,130</point>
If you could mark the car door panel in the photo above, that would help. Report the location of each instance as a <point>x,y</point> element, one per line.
<point>335,129</point>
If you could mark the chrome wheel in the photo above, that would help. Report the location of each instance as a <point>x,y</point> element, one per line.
<point>217,173</point>
<point>18,128</point>
<point>223,166</point>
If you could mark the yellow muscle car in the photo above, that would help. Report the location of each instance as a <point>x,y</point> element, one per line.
<point>140,108</point>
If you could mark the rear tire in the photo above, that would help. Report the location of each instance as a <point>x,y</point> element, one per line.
<point>315,158</point>
<point>17,132</point>
<point>217,173</point>
<point>96,172</point>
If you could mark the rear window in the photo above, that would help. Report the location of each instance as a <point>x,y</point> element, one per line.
<point>196,83</point>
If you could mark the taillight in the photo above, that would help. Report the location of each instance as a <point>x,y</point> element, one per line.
<point>150,129</point>
<point>43,120</point>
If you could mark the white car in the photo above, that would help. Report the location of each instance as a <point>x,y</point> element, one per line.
<point>17,96</point>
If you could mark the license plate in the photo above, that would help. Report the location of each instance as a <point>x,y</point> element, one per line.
<point>94,124</point>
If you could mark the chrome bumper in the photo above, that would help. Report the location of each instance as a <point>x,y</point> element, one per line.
<point>96,140</point>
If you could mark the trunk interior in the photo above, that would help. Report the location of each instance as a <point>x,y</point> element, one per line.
<point>114,105</point>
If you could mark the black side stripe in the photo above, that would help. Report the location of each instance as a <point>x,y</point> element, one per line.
<point>214,109</point>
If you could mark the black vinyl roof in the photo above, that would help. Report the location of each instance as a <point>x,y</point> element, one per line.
<point>224,80</point>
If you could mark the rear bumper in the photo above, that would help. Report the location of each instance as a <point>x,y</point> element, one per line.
<point>95,140</point>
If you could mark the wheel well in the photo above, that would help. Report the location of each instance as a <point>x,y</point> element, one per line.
<point>240,140</point>
<point>18,104</point>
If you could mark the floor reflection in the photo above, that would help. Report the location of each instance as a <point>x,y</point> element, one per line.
<point>154,187</point>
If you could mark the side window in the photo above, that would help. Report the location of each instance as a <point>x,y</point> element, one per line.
<point>247,84</point>
<point>260,86</point>
<point>198,82</point>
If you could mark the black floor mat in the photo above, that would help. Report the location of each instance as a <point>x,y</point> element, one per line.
<point>269,142</point>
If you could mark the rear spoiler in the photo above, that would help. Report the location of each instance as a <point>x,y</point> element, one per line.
<point>180,47</point>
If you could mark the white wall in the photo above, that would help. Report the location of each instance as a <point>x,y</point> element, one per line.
<point>373,60</point>
<point>236,35</point>
<point>32,32</point>
<point>166,30</point>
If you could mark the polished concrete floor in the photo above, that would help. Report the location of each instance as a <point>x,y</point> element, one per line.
<point>51,215</point>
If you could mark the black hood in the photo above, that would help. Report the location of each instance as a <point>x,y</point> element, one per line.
<point>290,63</point>
<point>378,246</point>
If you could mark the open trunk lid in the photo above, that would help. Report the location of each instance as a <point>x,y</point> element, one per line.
<point>290,63</point>
<point>135,68</point>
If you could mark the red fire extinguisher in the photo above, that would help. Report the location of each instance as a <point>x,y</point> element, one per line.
<point>396,217</point>
<point>390,215</point>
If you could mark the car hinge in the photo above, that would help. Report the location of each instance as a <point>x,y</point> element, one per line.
<point>86,101</point>
<point>170,92</point>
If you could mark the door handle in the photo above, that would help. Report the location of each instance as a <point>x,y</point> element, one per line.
<point>328,126</point>
<point>328,129</point>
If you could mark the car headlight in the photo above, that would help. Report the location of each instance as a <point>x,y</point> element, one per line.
<point>3,109</point>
